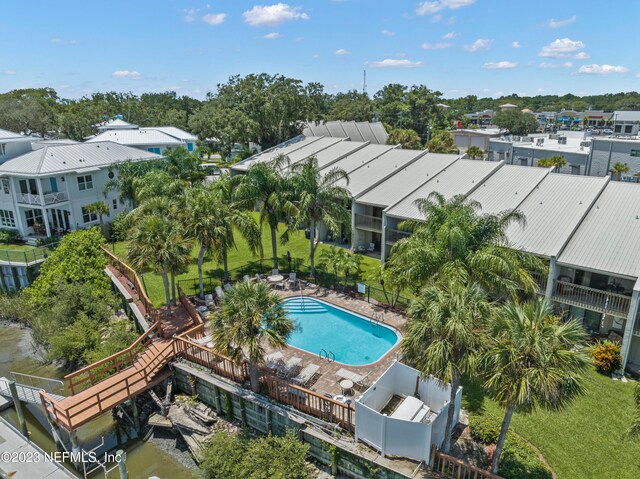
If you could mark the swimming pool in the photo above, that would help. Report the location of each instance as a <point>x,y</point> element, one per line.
<point>351,338</point>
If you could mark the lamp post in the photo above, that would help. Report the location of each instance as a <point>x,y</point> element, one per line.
<point>289,260</point>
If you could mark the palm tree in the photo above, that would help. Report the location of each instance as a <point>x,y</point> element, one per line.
<point>348,264</point>
<point>617,169</point>
<point>533,360</point>
<point>320,198</point>
<point>152,246</point>
<point>455,241</point>
<point>101,209</point>
<point>266,187</point>
<point>181,247</point>
<point>444,335</point>
<point>251,315</point>
<point>556,162</point>
<point>474,152</point>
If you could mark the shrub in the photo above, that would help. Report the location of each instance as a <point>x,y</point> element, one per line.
<point>484,428</point>
<point>10,236</point>
<point>606,357</point>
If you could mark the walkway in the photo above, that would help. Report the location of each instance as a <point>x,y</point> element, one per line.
<point>25,393</point>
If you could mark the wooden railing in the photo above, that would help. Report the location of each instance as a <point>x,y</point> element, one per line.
<point>392,235</point>
<point>129,273</point>
<point>454,468</point>
<point>603,301</point>
<point>369,222</point>
<point>193,314</point>
<point>216,362</point>
<point>310,402</point>
<point>96,372</point>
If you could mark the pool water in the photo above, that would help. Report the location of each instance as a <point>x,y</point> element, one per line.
<point>351,338</point>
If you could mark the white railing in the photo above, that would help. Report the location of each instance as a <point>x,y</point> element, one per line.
<point>369,222</point>
<point>603,301</point>
<point>47,198</point>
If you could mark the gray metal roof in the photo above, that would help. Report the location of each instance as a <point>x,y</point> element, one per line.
<point>609,237</point>
<point>507,188</point>
<point>329,156</point>
<point>176,132</point>
<point>396,187</point>
<point>461,177</point>
<point>620,115</point>
<point>272,153</point>
<point>553,210</point>
<point>69,158</point>
<point>143,136</point>
<point>313,149</point>
<point>361,131</point>
<point>360,157</point>
<point>10,135</point>
<point>39,144</point>
<point>371,173</point>
<point>116,124</point>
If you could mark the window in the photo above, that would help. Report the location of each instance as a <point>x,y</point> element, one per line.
<point>85,182</point>
<point>635,153</point>
<point>5,186</point>
<point>115,204</point>
<point>3,149</point>
<point>111,175</point>
<point>7,219</point>
<point>628,128</point>
<point>575,169</point>
<point>189,146</point>
<point>154,150</point>
<point>33,217</point>
<point>28,187</point>
<point>524,161</point>
<point>617,129</point>
<point>88,216</point>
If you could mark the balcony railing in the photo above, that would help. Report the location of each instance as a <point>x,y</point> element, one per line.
<point>595,299</point>
<point>373,223</point>
<point>47,199</point>
<point>394,235</point>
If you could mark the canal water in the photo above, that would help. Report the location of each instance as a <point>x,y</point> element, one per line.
<point>144,459</point>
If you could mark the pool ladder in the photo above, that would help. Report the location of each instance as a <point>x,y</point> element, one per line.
<point>374,321</point>
<point>328,355</point>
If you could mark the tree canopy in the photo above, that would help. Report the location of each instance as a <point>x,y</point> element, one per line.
<point>517,122</point>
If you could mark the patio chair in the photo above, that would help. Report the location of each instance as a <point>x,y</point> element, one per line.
<point>307,374</point>
<point>290,366</point>
<point>372,247</point>
<point>292,280</point>
<point>275,271</point>
<point>356,378</point>
<point>274,360</point>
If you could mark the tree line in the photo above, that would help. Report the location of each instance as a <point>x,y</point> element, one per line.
<point>268,109</point>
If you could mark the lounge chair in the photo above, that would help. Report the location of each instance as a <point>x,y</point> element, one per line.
<point>274,360</point>
<point>290,366</point>
<point>307,374</point>
<point>356,378</point>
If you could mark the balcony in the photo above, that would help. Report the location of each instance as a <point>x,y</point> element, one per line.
<point>371,223</point>
<point>590,298</point>
<point>393,236</point>
<point>48,198</point>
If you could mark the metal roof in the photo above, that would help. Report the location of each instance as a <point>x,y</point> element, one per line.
<point>370,174</point>
<point>272,153</point>
<point>143,136</point>
<point>360,131</point>
<point>329,156</point>
<point>176,132</point>
<point>313,149</point>
<point>396,187</point>
<point>360,157</point>
<point>507,188</point>
<point>116,124</point>
<point>461,177</point>
<point>69,158</point>
<point>620,115</point>
<point>10,135</point>
<point>553,210</point>
<point>609,237</point>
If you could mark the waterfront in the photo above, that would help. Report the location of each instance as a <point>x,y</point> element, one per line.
<point>144,459</point>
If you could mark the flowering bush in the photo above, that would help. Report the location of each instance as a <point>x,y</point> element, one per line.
<point>606,357</point>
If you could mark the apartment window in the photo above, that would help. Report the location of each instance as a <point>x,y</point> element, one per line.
<point>3,149</point>
<point>7,219</point>
<point>635,153</point>
<point>155,150</point>
<point>5,186</point>
<point>115,204</point>
<point>33,217</point>
<point>524,161</point>
<point>575,169</point>
<point>88,216</point>
<point>628,128</point>
<point>85,182</point>
<point>617,129</point>
<point>28,187</point>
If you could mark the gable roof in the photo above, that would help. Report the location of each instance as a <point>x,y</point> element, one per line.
<point>174,131</point>
<point>73,158</point>
<point>116,124</point>
<point>138,137</point>
<point>12,136</point>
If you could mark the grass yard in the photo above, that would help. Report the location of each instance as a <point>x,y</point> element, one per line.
<point>585,441</point>
<point>18,253</point>
<point>242,262</point>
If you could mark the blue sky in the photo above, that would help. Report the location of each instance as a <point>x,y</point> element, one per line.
<point>460,47</point>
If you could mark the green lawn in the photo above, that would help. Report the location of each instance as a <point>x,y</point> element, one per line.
<point>242,262</point>
<point>584,441</point>
<point>21,253</point>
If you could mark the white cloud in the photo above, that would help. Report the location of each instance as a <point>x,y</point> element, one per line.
<point>60,41</point>
<point>479,44</point>
<point>189,14</point>
<point>342,51</point>
<point>450,36</point>
<point>561,48</point>
<point>603,69</point>
<point>273,14</point>
<point>555,65</point>
<point>7,72</point>
<point>134,75</point>
<point>553,23</point>
<point>214,18</point>
<point>388,33</point>
<point>434,6</point>
<point>503,65</point>
<point>272,36</point>
<point>516,44</point>
<point>582,56</point>
<point>394,63</point>
<point>436,46</point>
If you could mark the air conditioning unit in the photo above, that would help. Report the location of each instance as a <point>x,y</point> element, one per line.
<point>553,137</point>
<point>562,140</point>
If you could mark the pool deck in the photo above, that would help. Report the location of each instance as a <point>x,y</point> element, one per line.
<point>326,380</point>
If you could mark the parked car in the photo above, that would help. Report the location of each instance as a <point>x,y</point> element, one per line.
<point>607,131</point>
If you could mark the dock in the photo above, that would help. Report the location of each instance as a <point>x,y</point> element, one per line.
<point>11,441</point>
